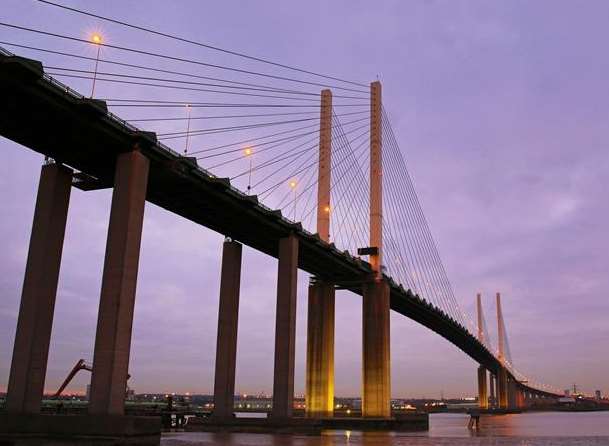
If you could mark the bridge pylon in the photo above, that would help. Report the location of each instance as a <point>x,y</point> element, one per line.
<point>482,374</point>
<point>376,362</point>
<point>319,391</point>
<point>502,375</point>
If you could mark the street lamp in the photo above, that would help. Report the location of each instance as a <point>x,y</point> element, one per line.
<point>293,185</point>
<point>248,153</point>
<point>188,107</point>
<point>97,40</point>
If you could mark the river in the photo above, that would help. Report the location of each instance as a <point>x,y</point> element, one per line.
<point>528,429</point>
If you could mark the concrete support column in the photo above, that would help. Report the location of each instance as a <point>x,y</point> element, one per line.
<point>33,336</point>
<point>319,395</point>
<point>228,318</point>
<point>502,389</point>
<point>285,328</point>
<point>115,318</point>
<point>512,394</point>
<point>482,388</point>
<point>520,399</point>
<point>376,362</point>
<point>493,386</point>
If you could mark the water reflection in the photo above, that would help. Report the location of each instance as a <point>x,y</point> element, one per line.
<point>530,429</point>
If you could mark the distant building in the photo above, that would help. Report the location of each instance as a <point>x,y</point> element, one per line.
<point>567,392</point>
<point>88,392</point>
<point>597,395</point>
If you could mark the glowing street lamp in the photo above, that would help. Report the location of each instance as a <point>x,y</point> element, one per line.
<point>188,107</point>
<point>248,153</point>
<point>97,40</point>
<point>293,185</point>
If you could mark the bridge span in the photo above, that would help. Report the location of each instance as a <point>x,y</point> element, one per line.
<point>90,148</point>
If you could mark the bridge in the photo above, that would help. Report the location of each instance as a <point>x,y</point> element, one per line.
<point>360,229</point>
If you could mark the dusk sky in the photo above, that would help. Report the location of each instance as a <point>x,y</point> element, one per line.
<point>501,110</point>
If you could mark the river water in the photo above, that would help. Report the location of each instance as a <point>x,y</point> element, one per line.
<point>528,429</point>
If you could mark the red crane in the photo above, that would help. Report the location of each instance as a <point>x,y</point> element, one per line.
<point>80,365</point>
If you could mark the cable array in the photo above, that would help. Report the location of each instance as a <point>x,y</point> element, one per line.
<point>411,251</point>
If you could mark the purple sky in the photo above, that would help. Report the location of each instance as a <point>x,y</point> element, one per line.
<point>502,112</point>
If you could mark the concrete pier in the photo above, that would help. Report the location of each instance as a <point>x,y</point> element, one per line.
<point>319,395</point>
<point>520,399</point>
<point>228,318</point>
<point>512,394</point>
<point>115,318</point>
<point>492,388</point>
<point>376,361</point>
<point>502,389</point>
<point>482,388</point>
<point>33,336</point>
<point>285,328</point>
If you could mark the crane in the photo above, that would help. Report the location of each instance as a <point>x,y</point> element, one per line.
<point>81,364</point>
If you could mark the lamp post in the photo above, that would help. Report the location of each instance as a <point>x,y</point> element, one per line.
<point>97,40</point>
<point>188,108</point>
<point>293,185</point>
<point>248,153</point>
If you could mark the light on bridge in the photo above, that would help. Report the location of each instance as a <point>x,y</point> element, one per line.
<point>188,109</point>
<point>96,39</point>
<point>293,185</point>
<point>248,154</point>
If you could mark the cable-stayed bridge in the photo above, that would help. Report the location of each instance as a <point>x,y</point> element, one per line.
<point>299,165</point>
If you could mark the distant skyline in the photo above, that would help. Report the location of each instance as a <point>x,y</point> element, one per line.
<point>501,111</point>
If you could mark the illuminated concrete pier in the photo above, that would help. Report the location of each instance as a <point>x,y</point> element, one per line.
<point>376,364</point>
<point>319,394</point>
<point>482,388</point>
<point>502,389</point>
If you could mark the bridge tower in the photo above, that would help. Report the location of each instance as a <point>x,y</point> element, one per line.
<point>482,375</point>
<point>376,364</point>
<point>502,376</point>
<point>319,393</point>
